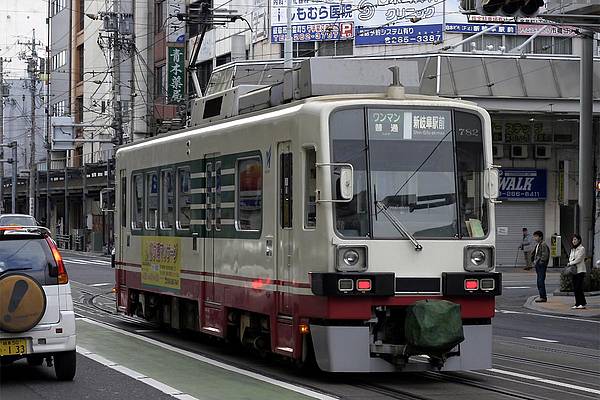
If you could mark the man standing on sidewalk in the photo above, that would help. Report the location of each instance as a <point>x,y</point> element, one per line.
<point>526,247</point>
<point>541,256</point>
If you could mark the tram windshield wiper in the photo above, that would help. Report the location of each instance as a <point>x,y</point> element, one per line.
<point>381,207</point>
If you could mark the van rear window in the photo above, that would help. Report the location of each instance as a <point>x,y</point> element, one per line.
<point>24,253</point>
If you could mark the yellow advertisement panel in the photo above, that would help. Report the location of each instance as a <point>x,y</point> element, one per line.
<point>161,262</point>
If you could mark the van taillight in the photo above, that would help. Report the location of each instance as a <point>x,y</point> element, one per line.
<point>63,277</point>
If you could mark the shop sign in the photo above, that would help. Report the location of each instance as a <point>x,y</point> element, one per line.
<point>175,74</point>
<point>314,32</point>
<point>505,29</point>
<point>175,28</point>
<point>398,35</point>
<point>312,21</point>
<point>522,184</point>
<point>549,30</point>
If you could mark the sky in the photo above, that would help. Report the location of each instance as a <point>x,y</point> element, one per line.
<point>18,18</point>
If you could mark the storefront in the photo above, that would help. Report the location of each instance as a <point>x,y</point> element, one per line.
<point>523,195</point>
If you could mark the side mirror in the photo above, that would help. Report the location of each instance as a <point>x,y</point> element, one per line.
<point>491,184</point>
<point>346,183</point>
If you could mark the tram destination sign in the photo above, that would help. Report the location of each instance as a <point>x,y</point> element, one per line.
<point>522,184</point>
<point>390,124</point>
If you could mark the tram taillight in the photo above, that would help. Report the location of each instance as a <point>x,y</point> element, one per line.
<point>471,284</point>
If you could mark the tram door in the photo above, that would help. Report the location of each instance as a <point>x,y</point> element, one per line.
<point>212,218</point>
<point>285,233</point>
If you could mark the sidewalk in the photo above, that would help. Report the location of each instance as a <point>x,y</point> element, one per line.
<point>562,304</point>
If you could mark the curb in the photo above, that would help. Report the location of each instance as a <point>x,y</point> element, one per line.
<point>586,294</point>
<point>532,305</point>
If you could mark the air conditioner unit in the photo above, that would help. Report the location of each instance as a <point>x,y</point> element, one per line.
<point>543,151</point>
<point>518,151</point>
<point>498,151</point>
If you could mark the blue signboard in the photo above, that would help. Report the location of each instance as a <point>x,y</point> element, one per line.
<point>504,29</point>
<point>522,184</point>
<point>314,32</point>
<point>398,34</point>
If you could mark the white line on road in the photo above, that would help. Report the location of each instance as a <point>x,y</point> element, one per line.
<point>101,284</point>
<point>540,339</point>
<point>517,287</point>
<point>89,261</point>
<point>286,385</point>
<point>542,380</point>
<point>134,374</point>
<point>548,316</point>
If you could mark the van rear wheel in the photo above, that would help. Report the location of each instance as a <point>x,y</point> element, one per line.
<point>65,365</point>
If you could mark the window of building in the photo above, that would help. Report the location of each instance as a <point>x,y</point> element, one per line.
<point>303,49</point>
<point>152,198</point>
<point>123,202</point>
<point>542,45</point>
<point>310,188</point>
<point>224,59</point>
<point>137,202</point>
<point>184,198</point>
<point>159,81</point>
<point>167,214</point>
<point>249,194</point>
<point>335,48</point>
<point>159,15</point>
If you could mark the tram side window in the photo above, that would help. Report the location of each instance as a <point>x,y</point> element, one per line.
<point>151,200</point>
<point>470,168</point>
<point>286,190</point>
<point>184,198</point>
<point>249,194</point>
<point>167,214</point>
<point>123,209</point>
<point>218,195</point>
<point>310,188</point>
<point>137,200</point>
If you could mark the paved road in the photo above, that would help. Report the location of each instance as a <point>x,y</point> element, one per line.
<point>536,356</point>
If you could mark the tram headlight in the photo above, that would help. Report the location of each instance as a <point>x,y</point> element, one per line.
<point>479,258</point>
<point>352,259</point>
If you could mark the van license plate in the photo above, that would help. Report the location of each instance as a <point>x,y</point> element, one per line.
<point>11,347</point>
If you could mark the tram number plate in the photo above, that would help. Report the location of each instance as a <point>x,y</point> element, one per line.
<point>11,347</point>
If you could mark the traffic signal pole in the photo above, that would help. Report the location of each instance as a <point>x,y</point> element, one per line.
<point>586,149</point>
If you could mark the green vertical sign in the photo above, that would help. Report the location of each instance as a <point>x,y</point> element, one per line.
<point>175,74</point>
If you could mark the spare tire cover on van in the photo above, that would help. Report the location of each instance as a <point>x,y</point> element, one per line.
<point>22,303</point>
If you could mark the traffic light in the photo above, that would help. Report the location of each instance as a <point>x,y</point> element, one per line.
<point>509,8</point>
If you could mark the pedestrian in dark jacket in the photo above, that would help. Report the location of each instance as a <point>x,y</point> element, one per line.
<point>540,256</point>
<point>577,258</point>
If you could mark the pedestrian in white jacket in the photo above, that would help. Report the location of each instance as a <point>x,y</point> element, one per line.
<point>577,257</point>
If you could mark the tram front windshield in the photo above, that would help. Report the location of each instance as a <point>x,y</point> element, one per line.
<point>422,168</point>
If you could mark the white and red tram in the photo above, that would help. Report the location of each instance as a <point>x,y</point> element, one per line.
<point>310,228</point>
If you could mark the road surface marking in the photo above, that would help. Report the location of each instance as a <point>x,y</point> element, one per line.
<point>286,385</point>
<point>548,316</point>
<point>89,261</point>
<point>101,284</point>
<point>540,339</point>
<point>71,261</point>
<point>517,287</point>
<point>542,380</point>
<point>135,375</point>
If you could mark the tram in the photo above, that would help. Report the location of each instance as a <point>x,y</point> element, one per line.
<point>316,227</point>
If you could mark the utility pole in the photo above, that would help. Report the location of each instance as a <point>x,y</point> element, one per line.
<point>116,78</point>
<point>32,69</point>
<point>586,149</point>
<point>1,134</point>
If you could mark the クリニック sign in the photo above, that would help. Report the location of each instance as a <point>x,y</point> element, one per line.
<point>522,184</point>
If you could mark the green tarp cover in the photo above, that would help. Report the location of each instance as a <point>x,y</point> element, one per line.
<point>434,324</point>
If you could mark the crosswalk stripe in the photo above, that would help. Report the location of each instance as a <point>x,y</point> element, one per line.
<point>90,261</point>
